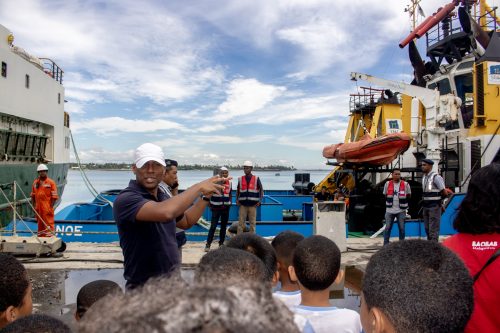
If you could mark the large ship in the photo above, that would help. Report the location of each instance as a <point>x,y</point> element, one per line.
<point>34,128</point>
<point>451,111</point>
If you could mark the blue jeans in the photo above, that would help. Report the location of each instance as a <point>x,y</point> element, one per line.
<point>389,220</point>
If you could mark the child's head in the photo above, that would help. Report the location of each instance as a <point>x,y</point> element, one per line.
<point>221,264</point>
<point>91,293</point>
<point>37,323</point>
<point>15,290</point>
<point>284,244</point>
<point>168,306</point>
<point>316,263</point>
<point>260,247</point>
<point>416,286</point>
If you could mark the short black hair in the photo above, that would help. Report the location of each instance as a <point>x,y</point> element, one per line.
<point>479,212</point>
<point>258,246</point>
<point>37,323</point>
<point>14,282</point>
<point>92,292</point>
<point>316,261</point>
<point>396,169</point>
<point>284,244</point>
<point>420,286</point>
<point>217,265</point>
<point>170,163</point>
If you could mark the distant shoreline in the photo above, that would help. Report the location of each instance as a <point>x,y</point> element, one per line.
<point>198,167</point>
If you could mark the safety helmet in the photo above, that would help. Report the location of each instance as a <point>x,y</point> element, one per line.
<point>248,164</point>
<point>42,167</point>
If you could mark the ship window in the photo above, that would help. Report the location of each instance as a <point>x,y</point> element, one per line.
<point>27,81</point>
<point>442,85</point>
<point>4,69</point>
<point>464,84</point>
<point>59,98</point>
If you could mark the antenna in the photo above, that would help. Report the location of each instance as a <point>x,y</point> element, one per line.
<point>414,10</point>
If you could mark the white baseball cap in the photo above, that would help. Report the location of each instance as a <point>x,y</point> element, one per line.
<point>248,164</point>
<point>223,169</point>
<point>148,152</point>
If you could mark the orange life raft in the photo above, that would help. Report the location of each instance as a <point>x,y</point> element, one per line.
<point>379,151</point>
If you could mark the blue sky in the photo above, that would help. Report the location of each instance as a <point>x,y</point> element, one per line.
<point>213,82</point>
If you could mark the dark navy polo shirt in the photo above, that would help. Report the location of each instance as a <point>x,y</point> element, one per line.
<point>149,248</point>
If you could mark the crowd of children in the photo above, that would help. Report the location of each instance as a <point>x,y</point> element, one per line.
<point>251,285</point>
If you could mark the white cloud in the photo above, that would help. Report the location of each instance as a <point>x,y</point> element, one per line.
<point>245,96</point>
<point>116,125</point>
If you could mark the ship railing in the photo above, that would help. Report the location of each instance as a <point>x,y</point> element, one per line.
<point>443,30</point>
<point>489,20</point>
<point>52,70</point>
<point>365,101</point>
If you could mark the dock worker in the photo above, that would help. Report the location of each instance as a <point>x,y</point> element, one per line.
<point>323,195</point>
<point>397,195</point>
<point>43,197</point>
<point>220,204</point>
<point>433,192</point>
<point>249,194</point>
<point>146,220</point>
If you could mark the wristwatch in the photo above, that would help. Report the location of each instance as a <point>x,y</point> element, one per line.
<point>205,198</point>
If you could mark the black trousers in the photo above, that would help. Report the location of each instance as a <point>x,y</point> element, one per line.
<point>223,215</point>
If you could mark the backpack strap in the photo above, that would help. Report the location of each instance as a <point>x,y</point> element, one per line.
<point>495,255</point>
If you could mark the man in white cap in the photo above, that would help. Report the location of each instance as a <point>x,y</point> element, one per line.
<point>146,219</point>
<point>248,197</point>
<point>220,204</point>
<point>43,197</point>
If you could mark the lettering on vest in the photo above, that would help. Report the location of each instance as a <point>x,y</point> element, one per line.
<point>481,246</point>
<point>389,198</point>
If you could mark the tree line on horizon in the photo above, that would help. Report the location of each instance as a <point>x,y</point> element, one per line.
<point>123,166</point>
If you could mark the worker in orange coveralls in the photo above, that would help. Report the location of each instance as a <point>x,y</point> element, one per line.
<point>44,196</point>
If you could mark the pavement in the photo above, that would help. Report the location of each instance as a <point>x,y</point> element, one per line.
<point>109,255</point>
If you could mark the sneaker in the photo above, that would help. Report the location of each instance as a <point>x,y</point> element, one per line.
<point>207,248</point>
<point>221,245</point>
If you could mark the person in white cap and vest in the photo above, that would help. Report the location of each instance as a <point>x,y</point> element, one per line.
<point>249,195</point>
<point>43,197</point>
<point>146,217</point>
<point>433,192</point>
<point>220,204</point>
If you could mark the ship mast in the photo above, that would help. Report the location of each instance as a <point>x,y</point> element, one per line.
<point>414,10</point>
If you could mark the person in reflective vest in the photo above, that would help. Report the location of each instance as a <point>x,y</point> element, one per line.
<point>43,197</point>
<point>248,197</point>
<point>170,186</point>
<point>220,205</point>
<point>397,194</point>
<point>433,192</point>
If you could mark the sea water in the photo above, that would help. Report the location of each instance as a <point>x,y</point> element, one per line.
<point>76,189</point>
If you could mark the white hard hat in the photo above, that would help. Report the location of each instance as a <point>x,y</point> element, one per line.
<point>223,169</point>
<point>42,167</point>
<point>248,164</point>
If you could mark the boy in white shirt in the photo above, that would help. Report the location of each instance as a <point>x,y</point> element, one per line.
<point>316,266</point>
<point>284,244</point>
